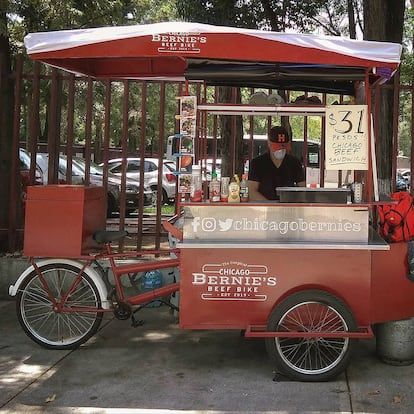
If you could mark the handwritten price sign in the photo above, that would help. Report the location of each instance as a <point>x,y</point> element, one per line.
<point>346,138</point>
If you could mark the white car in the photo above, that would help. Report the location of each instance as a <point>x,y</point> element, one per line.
<point>151,171</point>
<point>406,174</point>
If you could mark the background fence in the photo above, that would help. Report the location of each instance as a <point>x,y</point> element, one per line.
<point>60,113</point>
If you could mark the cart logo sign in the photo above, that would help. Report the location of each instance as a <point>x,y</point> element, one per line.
<point>179,42</point>
<point>212,224</point>
<point>283,222</point>
<point>233,281</point>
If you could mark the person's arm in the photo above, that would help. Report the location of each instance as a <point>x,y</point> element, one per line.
<point>254,193</point>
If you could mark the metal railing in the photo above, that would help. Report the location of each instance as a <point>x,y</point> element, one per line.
<point>47,118</point>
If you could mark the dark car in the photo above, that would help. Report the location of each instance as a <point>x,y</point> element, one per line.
<point>132,188</point>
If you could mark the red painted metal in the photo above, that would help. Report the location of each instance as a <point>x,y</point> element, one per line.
<point>69,215</point>
<point>14,193</point>
<point>154,294</point>
<point>124,146</point>
<point>145,266</point>
<point>34,122</point>
<point>54,131</point>
<point>392,292</point>
<point>346,274</point>
<point>88,129</point>
<point>259,331</point>
<point>70,120</point>
<point>144,90</point>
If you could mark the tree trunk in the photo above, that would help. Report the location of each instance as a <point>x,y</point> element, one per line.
<point>351,19</point>
<point>231,148</point>
<point>6,131</point>
<point>384,21</point>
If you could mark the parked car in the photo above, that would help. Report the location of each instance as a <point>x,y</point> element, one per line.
<point>132,188</point>
<point>42,160</point>
<point>25,161</point>
<point>406,174</point>
<point>401,183</point>
<point>151,171</point>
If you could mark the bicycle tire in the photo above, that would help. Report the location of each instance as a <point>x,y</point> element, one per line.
<point>50,328</point>
<point>311,358</point>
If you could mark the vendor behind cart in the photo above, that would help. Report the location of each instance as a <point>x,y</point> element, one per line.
<point>275,168</point>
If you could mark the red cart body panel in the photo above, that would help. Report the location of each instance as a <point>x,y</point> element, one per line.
<point>235,288</point>
<point>392,293</point>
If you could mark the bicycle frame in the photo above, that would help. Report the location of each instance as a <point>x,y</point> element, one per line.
<point>118,271</point>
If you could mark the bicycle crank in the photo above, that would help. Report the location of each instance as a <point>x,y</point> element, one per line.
<point>122,310</point>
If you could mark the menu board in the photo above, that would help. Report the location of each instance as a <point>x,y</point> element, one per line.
<point>346,137</point>
<point>187,117</point>
<point>188,109</point>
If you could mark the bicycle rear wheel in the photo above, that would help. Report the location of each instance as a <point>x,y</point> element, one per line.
<point>49,327</point>
<point>311,358</point>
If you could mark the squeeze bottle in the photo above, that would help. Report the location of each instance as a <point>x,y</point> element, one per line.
<point>214,188</point>
<point>244,189</point>
<point>234,191</point>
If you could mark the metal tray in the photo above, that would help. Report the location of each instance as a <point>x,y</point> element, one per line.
<point>314,195</point>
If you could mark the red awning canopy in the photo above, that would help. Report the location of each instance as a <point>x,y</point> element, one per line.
<point>225,55</point>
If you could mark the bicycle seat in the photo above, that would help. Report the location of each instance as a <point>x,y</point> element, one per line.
<point>107,236</point>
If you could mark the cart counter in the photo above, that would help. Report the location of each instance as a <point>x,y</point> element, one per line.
<point>237,262</point>
<point>276,223</point>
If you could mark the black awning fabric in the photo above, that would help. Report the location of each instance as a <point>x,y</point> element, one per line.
<point>299,77</point>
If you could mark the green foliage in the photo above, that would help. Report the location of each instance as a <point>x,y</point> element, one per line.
<point>34,15</point>
<point>269,15</point>
<point>406,77</point>
<point>45,15</point>
<point>27,16</point>
<point>407,61</point>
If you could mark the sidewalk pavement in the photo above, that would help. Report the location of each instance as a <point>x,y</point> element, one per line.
<point>158,368</point>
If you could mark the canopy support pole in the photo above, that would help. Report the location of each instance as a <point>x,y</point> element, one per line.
<point>374,161</point>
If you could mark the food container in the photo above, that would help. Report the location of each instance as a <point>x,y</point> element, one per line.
<point>313,195</point>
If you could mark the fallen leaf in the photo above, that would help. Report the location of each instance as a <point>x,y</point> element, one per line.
<point>397,399</point>
<point>51,398</point>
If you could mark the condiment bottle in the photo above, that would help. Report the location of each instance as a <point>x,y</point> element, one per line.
<point>234,190</point>
<point>244,189</point>
<point>224,190</point>
<point>196,193</point>
<point>214,189</point>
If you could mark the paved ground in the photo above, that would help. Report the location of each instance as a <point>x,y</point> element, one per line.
<point>158,368</point>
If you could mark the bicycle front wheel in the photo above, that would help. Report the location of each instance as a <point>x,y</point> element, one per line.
<point>55,329</point>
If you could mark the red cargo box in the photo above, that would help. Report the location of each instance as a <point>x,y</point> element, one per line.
<point>61,219</point>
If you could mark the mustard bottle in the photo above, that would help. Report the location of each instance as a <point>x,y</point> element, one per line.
<point>234,190</point>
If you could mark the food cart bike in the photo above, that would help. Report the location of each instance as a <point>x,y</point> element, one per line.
<point>309,273</point>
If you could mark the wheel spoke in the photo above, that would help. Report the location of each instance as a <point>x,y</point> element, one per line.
<point>49,326</point>
<point>311,355</point>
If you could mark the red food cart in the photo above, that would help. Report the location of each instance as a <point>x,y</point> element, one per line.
<point>310,273</point>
